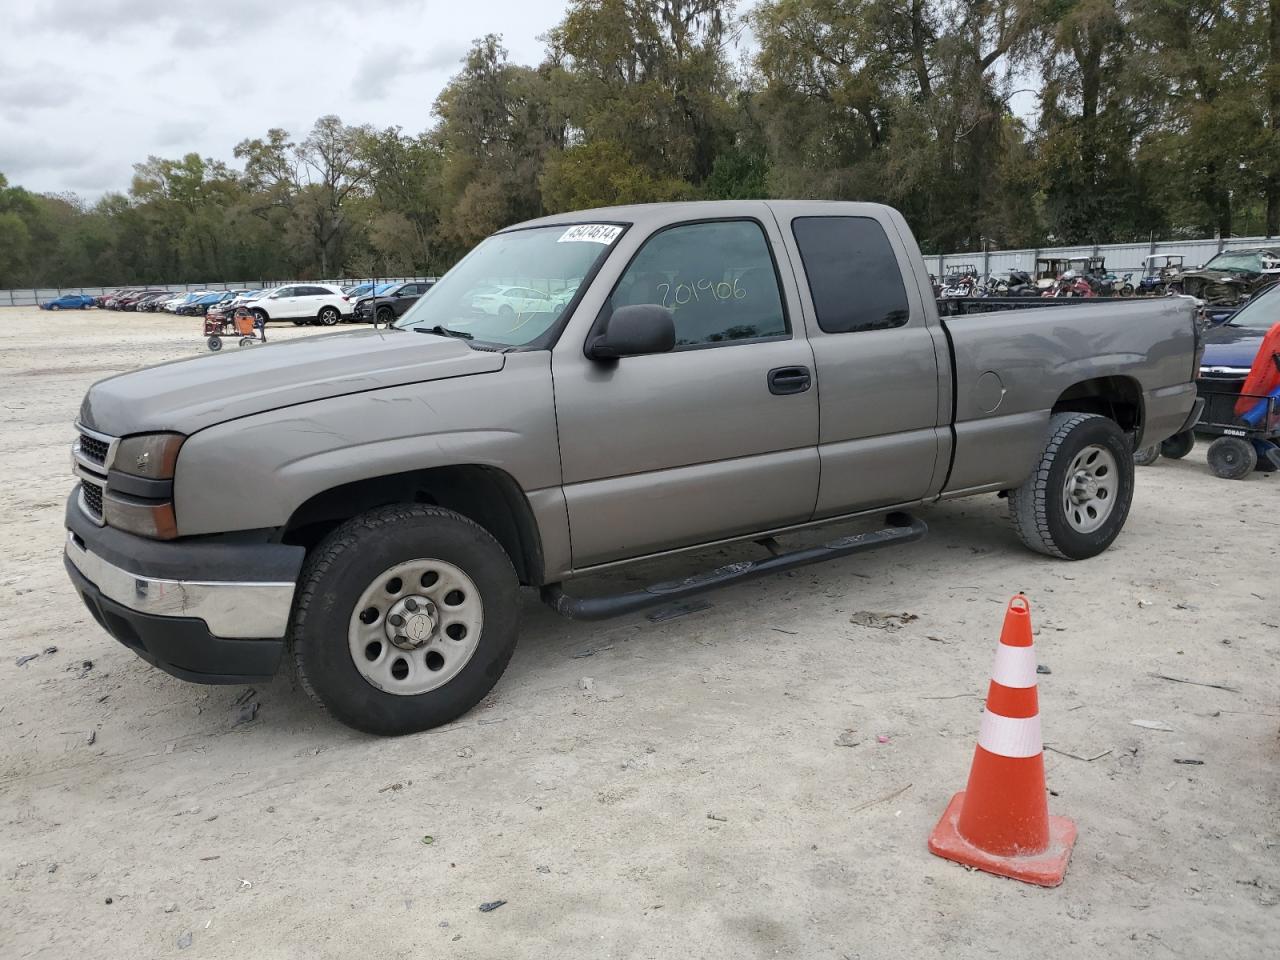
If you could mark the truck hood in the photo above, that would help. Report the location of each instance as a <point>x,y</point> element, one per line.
<point>189,395</point>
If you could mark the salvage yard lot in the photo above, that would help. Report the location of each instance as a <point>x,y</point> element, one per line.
<point>652,789</point>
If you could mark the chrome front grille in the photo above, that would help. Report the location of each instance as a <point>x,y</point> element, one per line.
<point>91,457</point>
<point>94,449</point>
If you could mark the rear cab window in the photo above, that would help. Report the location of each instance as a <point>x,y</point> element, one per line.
<point>854,277</point>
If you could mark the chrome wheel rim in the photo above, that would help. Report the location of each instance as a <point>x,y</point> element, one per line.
<point>415,627</point>
<point>1089,494</point>
<point>329,316</point>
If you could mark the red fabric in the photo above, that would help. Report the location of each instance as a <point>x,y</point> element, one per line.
<point>1264,376</point>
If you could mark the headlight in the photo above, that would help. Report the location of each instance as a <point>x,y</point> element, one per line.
<point>153,455</point>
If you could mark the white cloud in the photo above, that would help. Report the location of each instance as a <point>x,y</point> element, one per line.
<point>382,68</point>
<point>119,80</point>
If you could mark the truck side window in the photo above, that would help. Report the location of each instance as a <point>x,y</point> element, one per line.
<point>716,278</point>
<point>854,278</point>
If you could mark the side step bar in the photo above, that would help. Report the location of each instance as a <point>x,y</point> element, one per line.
<point>900,528</point>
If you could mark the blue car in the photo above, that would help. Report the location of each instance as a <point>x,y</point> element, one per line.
<point>69,301</point>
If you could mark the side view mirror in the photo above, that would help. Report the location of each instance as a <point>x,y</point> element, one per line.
<point>634,331</point>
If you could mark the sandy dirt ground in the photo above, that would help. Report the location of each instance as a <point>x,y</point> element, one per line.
<point>694,801</point>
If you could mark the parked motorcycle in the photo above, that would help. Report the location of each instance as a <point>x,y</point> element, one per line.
<point>1017,284</point>
<point>961,285</point>
<point>1070,284</point>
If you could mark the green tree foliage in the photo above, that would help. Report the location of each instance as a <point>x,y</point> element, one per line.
<point>1134,117</point>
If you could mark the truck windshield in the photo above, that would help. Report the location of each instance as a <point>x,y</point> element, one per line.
<point>514,286</point>
<point>1260,313</point>
<point>1242,262</point>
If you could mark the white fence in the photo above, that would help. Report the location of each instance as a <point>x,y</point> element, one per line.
<point>1121,257</point>
<point>28,298</point>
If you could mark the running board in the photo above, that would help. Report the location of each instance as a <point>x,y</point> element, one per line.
<point>901,528</point>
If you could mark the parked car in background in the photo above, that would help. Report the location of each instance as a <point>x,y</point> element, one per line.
<point>199,306</point>
<point>302,303</point>
<point>360,290</point>
<point>130,302</point>
<point>147,304</point>
<point>510,302</point>
<point>1230,349</point>
<point>112,301</point>
<point>389,301</point>
<point>172,306</point>
<point>69,301</point>
<point>101,299</point>
<point>1230,276</point>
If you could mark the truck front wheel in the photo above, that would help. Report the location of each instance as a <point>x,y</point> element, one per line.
<point>1076,501</point>
<point>406,617</point>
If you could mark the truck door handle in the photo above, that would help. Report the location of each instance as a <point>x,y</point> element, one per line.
<point>784,380</point>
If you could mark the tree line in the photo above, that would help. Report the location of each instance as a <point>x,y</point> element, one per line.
<point>1152,117</point>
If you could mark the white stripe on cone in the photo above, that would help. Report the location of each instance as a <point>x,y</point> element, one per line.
<point>1015,666</point>
<point>1010,736</point>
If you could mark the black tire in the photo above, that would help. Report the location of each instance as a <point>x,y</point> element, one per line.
<point>261,316</point>
<point>1232,458</point>
<point>351,558</point>
<point>1179,445</point>
<point>1146,456</point>
<point>328,316</point>
<point>215,343</point>
<point>1036,507</point>
<point>54,306</point>
<point>385,316</point>
<point>248,341</point>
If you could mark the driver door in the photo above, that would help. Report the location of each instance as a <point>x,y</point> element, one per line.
<point>715,439</point>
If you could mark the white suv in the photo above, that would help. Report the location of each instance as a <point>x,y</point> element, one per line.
<point>301,303</point>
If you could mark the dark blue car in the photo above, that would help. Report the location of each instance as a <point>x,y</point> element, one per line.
<point>1241,443</point>
<point>1230,347</point>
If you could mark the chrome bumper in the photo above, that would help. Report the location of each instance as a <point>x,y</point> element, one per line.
<point>229,609</point>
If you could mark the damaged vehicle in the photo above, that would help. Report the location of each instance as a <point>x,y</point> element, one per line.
<point>1230,277</point>
<point>366,506</point>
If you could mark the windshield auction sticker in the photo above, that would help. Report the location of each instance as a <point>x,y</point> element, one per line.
<point>591,233</point>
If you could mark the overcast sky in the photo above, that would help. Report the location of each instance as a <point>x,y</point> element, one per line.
<point>90,87</point>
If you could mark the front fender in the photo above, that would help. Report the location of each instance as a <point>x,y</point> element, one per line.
<point>254,472</point>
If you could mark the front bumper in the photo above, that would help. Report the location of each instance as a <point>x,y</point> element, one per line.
<point>204,611</point>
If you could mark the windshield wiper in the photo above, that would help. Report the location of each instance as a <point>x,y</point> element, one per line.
<point>445,332</point>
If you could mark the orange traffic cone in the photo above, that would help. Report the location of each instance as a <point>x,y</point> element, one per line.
<point>1000,823</point>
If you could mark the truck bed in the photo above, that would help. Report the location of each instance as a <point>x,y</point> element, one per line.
<point>1013,358</point>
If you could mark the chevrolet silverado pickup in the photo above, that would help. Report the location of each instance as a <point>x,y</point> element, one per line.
<point>366,505</point>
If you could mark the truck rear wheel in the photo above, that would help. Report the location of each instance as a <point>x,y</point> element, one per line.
<point>406,617</point>
<point>1076,501</point>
